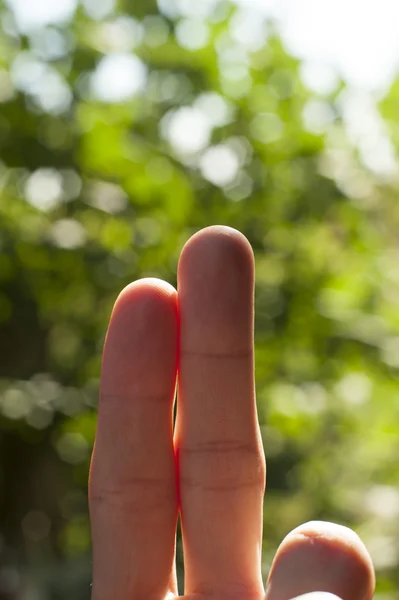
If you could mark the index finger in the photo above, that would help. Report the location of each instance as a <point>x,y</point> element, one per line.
<point>132,492</point>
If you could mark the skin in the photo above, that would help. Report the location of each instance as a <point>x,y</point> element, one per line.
<point>210,467</point>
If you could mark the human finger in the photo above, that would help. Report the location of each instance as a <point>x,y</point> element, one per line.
<point>132,491</point>
<point>217,439</point>
<point>321,557</point>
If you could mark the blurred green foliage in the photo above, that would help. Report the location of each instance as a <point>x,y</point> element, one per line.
<point>121,133</point>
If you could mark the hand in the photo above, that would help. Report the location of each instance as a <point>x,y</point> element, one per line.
<point>211,466</point>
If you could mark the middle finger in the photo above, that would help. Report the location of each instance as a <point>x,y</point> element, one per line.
<point>220,456</point>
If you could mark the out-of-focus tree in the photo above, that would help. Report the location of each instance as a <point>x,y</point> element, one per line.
<point>124,128</point>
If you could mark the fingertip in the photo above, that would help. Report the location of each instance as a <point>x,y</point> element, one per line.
<point>321,556</point>
<point>147,289</point>
<point>217,241</point>
<point>144,302</point>
<point>340,539</point>
<point>141,337</point>
<point>216,289</point>
<point>220,231</point>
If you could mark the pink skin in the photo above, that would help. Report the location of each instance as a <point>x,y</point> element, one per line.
<point>211,467</point>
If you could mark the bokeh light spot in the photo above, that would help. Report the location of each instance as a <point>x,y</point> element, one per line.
<point>192,34</point>
<point>68,234</point>
<point>118,77</point>
<point>219,165</point>
<point>266,127</point>
<point>187,129</point>
<point>43,189</point>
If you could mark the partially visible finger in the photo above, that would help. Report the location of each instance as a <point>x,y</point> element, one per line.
<point>321,557</point>
<point>132,492</point>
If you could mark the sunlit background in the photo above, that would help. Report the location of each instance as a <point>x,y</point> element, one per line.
<point>125,127</point>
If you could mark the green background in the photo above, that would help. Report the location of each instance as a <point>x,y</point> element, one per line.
<point>95,194</point>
